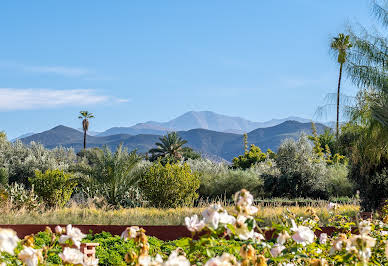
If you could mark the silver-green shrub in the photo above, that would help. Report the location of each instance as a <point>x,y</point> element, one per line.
<point>304,174</point>
<point>21,161</point>
<point>218,180</point>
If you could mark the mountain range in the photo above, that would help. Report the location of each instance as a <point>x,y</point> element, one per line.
<point>203,119</point>
<point>212,144</point>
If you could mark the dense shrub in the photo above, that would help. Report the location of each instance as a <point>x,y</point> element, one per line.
<point>4,176</point>
<point>301,174</point>
<point>218,180</point>
<point>252,156</point>
<point>54,187</point>
<point>112,175</point>
<point>19,197</point>
<point>339,184</point>
<point>171,185</point>
<point>21,161</point>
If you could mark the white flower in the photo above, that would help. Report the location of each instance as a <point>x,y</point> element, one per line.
<point>71,255</point>
<point>130,232</point>
<point>251,210</point>
<point>225,260</point>
<point>8,240</point>
<point>384,233</point>
<point>30,256</point>
<point>242,229</point>
<point>365,227</point>
<point>258,237</point>
<point>193,224</point>
<point>212,216</point>
<point>149,261</point>
<point>323,238</point>
<point>276,250</point>
<point>243,198</point>
<point>58,229</point>
<point>225,218</point>
<point>303,235</point>
<point>74,234</point>
<point>176,260</point>
<point>282,237</point>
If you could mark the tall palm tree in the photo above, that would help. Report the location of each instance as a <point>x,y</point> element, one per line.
<point>169,145</point>
<point>340,45</point>
<point>85,116</point>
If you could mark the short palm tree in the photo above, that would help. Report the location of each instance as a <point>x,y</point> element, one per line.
<point>85,116</point>
<point>169,145</point>
<point>340,45</point>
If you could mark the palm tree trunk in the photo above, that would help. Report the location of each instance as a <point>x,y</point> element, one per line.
<point>338,100</point>
<point>84,139</point>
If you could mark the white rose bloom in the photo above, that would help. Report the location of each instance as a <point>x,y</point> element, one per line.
<point>252,210</point>
<point>176,260</point>
<point>130,232</point>
<point>242,229</point>
<point>243,198</point>
<point>74,234</point>
<point>257,236</point>
<point>225,218</point>
<point>276,250</point>
<point>8,240</point>
<point>149,261</point>
<point>384,233</point>
<point>365,227</point>
<point>193,224</point>
<point>282,237</point>
<point>30,256</point>
<point>212,216</point>
<point>225,260</point>
<point>303,235</point>
<point>323,238</point>
<point>71,255</point>
<point>58,229</point>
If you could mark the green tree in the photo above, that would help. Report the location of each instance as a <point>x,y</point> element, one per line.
<point>85,116</point>
<point>170,146</point>
<point>112,173</point>
<point>189,153</point>
<point>54,187</point>
<point>340,45</point>
<point>367,133</point>
<point>252,156</point>
<point>170,185</point>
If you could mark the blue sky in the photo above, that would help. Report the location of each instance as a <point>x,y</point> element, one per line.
<point>134,61</point>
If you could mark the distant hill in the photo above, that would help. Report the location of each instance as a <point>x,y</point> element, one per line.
<point>23,136</point>
<point>212,144</point>
<point>203,119</point>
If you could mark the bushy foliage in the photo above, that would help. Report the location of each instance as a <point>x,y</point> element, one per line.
<point>218,180</point>
<point>302,174</point>
<point>339,185</point>
<point>54,187</point>
<point>21,161</point>
<point>4,177</point>
<point>111,175</point>
<point>169,185</point>
<point>19,197</point>
<point>252,156</point>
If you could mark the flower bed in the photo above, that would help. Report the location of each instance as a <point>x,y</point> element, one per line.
<point>216,238</point>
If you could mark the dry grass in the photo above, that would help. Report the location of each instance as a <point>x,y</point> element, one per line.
<point>146,216</point>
